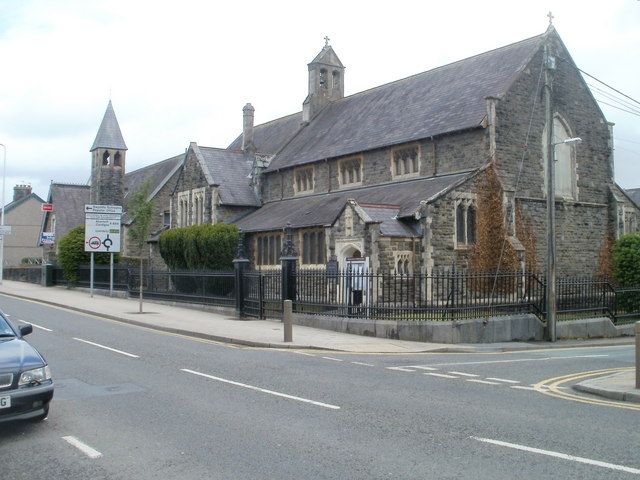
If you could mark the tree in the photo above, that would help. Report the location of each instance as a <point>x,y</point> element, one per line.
<point>72,255</point>
<point>140,209</point>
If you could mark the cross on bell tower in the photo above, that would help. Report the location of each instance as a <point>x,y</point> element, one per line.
<point>551,17</point>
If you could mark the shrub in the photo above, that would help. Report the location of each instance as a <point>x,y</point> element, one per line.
<point>210,247</point>
<point>626,270</point>
<point>72,254</point>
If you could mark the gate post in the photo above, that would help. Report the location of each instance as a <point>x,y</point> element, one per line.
<point>240,264</point>
<point>288,260</point>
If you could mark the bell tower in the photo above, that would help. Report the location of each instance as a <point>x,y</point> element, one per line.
<point>326,82</point>
<point>108,161</point>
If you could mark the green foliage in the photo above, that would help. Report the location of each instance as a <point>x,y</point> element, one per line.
<point>72,254</point>
<point>626,269</point>
<point>626,260</point>
<point>140,209</point>
<point>208,247</point>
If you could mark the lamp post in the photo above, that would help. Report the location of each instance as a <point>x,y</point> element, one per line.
<point>551,233</point>
<point>4,176</point>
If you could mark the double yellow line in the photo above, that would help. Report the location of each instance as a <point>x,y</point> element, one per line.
<point>552,386</point>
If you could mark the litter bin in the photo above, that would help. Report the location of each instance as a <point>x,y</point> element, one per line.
<point>47,275</point>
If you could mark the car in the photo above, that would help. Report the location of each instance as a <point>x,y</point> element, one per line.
<point>26,386</point>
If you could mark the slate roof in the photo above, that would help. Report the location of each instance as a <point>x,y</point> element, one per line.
<point>109,134</point>
<point>634,194</point>
<point>387,216</point>
<point>323,209</point>
<point>68,206</point>
<point>440,101</point>
<point>157,174</point>
<point>231,171</point>
<point>270,137</point>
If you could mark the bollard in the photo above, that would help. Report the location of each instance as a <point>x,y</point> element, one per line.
<point>288,320</point>
<point>637,329</point>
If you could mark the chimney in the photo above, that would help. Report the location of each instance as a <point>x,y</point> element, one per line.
<point>21,191</point>
<point>247,128</point>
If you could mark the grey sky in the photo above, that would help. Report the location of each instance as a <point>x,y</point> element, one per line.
<point>182,71</point>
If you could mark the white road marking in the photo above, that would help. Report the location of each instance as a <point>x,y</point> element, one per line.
<point>83,447</point>
<point>441,375</point>
<point>304,353</point>
<point>363,364</point>
<point>36,326</point>
<point>401,369</point>
<point>334,359</point>
<point>502,380</point>
<point>464,374</point>
<point>107,348</point>
<point>474,380</point>
<point>263,390</point>
<point>520,387</point>
<point>421,367</point>
<point>562,456</point>
<point>542,359</point>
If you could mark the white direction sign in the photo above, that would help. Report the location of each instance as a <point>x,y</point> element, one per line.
<point>102,225</point>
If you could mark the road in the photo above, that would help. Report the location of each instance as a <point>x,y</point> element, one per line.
<point>132,403</point>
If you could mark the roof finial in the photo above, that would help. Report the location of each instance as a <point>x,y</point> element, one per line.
<point>326,41</point>
<point>551,17</point>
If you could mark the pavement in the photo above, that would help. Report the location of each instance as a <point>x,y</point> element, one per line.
<point>223,326</point>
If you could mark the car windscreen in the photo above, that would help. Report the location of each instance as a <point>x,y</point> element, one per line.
<point>5,328</point>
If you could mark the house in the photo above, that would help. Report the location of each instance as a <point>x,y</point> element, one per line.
<point>23,215</point>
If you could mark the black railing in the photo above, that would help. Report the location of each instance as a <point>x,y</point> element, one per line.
<point>444,295</point>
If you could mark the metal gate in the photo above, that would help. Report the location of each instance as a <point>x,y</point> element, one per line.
<point>262,295</point>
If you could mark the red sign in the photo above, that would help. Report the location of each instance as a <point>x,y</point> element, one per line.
<point>47,207</point>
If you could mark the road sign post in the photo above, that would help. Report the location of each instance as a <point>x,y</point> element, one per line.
<point>103,225</point>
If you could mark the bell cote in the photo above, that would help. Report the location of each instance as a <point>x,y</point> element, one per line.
<point>326,82</point>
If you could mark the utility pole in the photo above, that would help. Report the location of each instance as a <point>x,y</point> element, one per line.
<point>549,67</point>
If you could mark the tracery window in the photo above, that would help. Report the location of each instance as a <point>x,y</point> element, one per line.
<point>565,160</point>
<point>405,161</point>
<point>350,171</point>
<point>184,206</point>
<point>303,179</point>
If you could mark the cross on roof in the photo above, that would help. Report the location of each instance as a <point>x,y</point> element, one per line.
<point>551,17</point>
<point>326,41</point>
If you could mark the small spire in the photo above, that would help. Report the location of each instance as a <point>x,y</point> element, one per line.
<point>551,17</point>
<point>326,41</point>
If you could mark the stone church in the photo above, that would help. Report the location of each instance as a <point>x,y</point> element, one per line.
<point>392,175</point>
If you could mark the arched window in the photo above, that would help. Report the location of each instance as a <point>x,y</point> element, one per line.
<point>323,78</point>
<point>564,155</point>
<point>336,79</point>
<point>116,160</point>
<point>106,157</point>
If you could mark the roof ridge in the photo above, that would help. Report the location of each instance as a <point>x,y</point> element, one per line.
<point>166,160</point>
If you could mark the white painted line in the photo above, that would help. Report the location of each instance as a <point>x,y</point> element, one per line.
<point>465,374</point>
<point>107,348</point>
<point>304,353</point>
<point>363,364</point>
<point>401,369</point>
<point>502,380</point>
<point>441,375</point>
<point>520,387</point>
<point>36,326</point>
<point>334,359</point>
<point>83,447</point>
<point>515,360</point>
<point>421,367</point>
<point>263,390</point>
<point>482,381</point>
<point>562,456</point>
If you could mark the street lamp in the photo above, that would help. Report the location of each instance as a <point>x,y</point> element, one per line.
<point>4,175</point>
<point>551,236</point>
